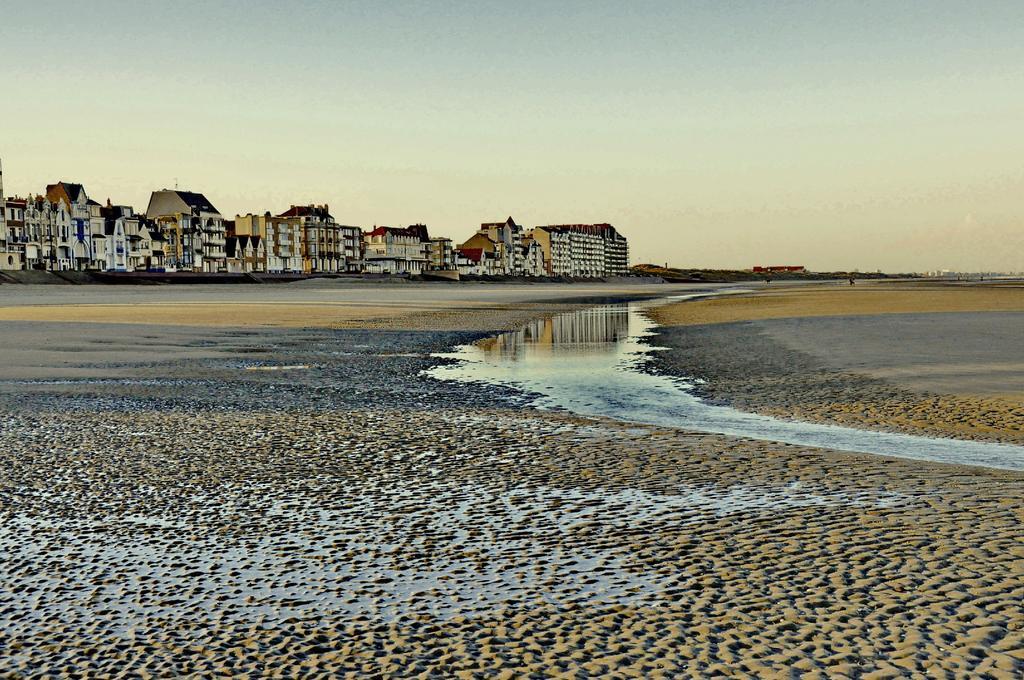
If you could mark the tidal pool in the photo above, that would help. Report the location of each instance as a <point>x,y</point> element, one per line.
<point>591,362</point>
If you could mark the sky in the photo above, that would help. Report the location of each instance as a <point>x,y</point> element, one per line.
<point>836,135</point>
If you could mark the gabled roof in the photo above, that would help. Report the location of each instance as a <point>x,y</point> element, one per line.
<point>67,191</point>
<point>474,254</point>
<point>234,245</point>
<point>74,191</point>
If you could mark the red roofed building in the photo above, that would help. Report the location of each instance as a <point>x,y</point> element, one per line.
<point>478,262</point>
<point>397,250</point>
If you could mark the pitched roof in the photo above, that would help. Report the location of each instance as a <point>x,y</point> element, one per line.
<point>196,200</point>
<point>73,192</point>
<point>172,201</point>
<point>474,254</point>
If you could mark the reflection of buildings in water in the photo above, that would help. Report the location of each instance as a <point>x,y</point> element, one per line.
<point>581,330</point>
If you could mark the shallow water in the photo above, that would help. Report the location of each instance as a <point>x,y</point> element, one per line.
<point>591,362</point>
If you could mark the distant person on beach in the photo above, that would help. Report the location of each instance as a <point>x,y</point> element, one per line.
<point>851,279</point>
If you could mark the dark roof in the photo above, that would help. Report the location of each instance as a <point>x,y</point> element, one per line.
<point>71,190</point>
<point>196,200</point>
<point>416,231</point>
<point>419,230</point>
<point>598,229</point>
<point>320,211</point>
<point>475,254</point>
<point>238,244</point>
<point>74,191</point>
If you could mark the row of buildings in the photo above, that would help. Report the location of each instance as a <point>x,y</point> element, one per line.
<point>63,229</point>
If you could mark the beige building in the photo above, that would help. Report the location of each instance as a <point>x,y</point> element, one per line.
<point>193,229</point>
<point>282,240</point>
<point>554,245</point>
<point>442,254</point>
<point>505,241</point>
<point>320,240</point>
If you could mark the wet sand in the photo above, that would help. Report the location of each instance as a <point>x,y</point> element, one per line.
<point>317,303</point>
<point>945,361</point>
<point>183,514</point>
<point>839,299</point>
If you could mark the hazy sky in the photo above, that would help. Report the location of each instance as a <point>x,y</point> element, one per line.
<point>837,135</point>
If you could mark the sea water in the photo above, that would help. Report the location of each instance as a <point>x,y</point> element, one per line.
<point>591,362</point>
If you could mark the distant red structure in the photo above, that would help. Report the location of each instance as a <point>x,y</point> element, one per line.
<point>758,269</point>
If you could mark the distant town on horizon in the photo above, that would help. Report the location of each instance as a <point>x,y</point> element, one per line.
<point>63,229</point>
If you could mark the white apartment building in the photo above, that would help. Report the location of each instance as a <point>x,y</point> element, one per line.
<point>129,245</point>
<point>85,243</point>
<point>393,250</point>
<point>50,236</point>
<point>583,250</point>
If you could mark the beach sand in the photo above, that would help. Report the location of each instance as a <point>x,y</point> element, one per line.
<point>172,512</point>
<point>318,303</point>
<point>839,299</point>
<point>932,360</point>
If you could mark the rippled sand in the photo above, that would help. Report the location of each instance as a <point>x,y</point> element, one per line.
<point>493,541</point>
